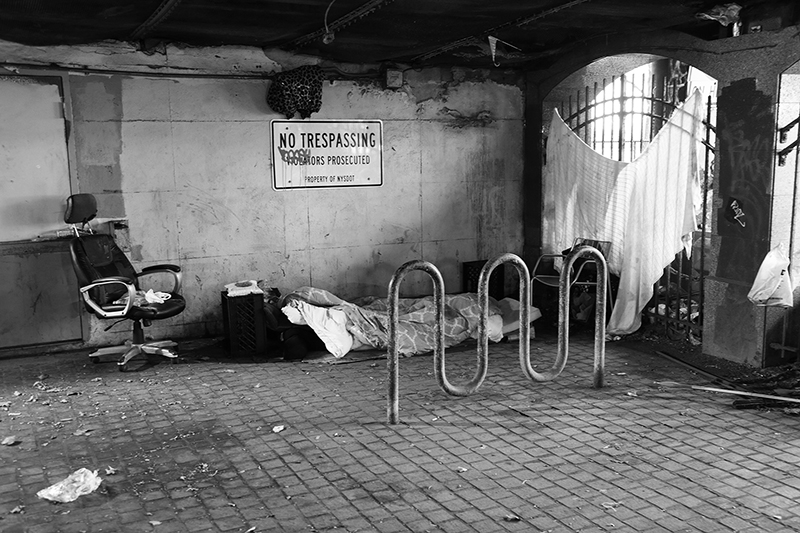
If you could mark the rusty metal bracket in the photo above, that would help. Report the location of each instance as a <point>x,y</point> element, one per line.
<point>783,136</point>
<point>783,131</point>
<point>785,152</point>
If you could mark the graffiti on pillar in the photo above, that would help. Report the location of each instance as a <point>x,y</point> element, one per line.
<point>735,212</point>
<point>746,123</point>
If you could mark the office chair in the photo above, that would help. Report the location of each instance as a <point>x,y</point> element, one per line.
<point>584,271</point>
<point>109,285</point>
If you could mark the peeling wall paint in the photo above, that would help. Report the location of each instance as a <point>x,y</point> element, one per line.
<point>169,59</point>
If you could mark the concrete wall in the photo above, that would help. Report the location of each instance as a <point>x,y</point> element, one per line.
<point>185,162</point>
<point>782,326</point>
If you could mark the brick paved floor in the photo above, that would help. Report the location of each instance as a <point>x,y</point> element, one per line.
<point>195,447</point>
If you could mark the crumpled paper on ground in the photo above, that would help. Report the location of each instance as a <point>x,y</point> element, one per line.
<point>80,482</point>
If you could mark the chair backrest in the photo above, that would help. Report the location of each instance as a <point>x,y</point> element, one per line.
<point>81,208</point>
<point>604,247</point>
<point>98,256</point>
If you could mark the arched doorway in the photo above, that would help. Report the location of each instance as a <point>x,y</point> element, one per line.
<point>616,106</point>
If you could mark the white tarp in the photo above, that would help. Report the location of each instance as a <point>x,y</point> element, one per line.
<point>644,208</point>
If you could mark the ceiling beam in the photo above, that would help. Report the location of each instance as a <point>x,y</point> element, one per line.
<point>472,39</point>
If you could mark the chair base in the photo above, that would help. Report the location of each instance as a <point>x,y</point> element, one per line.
<point>130,350</point>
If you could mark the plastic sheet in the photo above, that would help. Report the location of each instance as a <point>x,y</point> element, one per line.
<point>773,286</point>
<point>724,14</point>
<point>79,483</point>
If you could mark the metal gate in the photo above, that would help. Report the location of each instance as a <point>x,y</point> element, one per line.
<point>618,118</point>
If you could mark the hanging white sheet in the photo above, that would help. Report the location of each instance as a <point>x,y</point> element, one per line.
<point>644,208</point>
<point>582,197</point>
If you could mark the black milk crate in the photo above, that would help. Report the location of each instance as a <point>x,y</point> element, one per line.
<point>471,271</point>
<point>245,325</point>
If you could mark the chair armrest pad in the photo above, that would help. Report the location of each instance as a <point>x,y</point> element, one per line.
<point>590,260</point>
<point>177,275</point>
<point>161,268</point>
<point>544,256</point>
<point>110,280</point>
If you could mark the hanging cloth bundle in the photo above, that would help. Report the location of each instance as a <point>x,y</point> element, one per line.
<point>297,91</point>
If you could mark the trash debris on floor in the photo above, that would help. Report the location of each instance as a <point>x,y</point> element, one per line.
<point>77,484</point>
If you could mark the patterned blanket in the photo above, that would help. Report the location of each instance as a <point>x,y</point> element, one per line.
<point>367,318</point>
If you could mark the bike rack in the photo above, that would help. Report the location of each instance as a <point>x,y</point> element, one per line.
<point>471,386</point>
<point>439,355</point>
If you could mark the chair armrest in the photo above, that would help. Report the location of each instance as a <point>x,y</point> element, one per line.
<point>580,268</point>
<point>177,275</point>
<point>539,260</point>
<point>111,311</point>
<point>173,268</point>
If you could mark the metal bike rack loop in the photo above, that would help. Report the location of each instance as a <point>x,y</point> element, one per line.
<point>393,357</point>
<point>563,315</point>
<point>524,311</point>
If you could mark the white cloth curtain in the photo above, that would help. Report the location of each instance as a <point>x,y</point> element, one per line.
<point>583,196</point>
<point>645,208</point>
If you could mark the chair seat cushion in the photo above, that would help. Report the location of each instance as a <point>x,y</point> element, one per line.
<point>155,311</point>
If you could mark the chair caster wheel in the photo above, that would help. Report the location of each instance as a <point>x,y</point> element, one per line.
<point>123,368</point>
<point>94,359</point>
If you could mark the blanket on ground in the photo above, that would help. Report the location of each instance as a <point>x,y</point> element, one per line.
<point>364,322</point>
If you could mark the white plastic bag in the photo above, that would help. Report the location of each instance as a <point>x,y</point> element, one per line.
<point>773,286</point>
<point>80,482</point>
